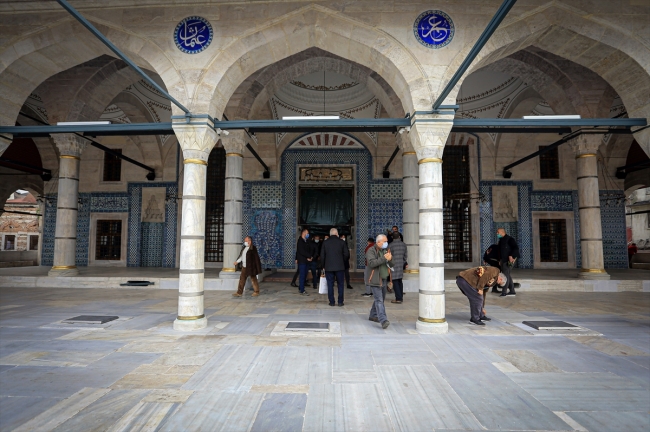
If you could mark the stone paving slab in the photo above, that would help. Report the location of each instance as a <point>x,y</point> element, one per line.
<point>140,374</point>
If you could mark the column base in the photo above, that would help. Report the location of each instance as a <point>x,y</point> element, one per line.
<point>589,274</point>
<point>229,275</point>
<point>190,325</point>
<point>431,328</point>
<point>63,271</point>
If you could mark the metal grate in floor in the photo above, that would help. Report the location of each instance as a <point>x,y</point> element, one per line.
<point>91,319</point>
<point>551,325</point>
<point>308,326</point>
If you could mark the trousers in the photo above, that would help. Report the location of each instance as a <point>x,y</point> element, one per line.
<point>378,310</point>
<point>242,282</point>
<point>510,286</point>
<point>366,274</point>
<point>398,286</point>
<point>330,275</point>
<point>475,298</point>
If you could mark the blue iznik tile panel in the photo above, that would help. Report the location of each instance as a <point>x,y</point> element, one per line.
<point>264,221</point>
<point>612,218</point>
<point>49,226</point>
<point>152,244</point>
<point>266,196</point>
<point>135,250</point>
<point>385,207</point>
<point>386,190</point>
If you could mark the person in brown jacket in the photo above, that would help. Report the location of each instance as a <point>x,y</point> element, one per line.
<point>472,283</point>
<point>251,267</point>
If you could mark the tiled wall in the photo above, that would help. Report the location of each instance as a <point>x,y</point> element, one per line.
<point>612,219</point>
<point>270,207</point>
<point>130,202</point>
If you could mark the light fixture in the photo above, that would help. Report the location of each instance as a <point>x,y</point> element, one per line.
<point>323,117</point>
<point>89,123</point>
<point>553,117</point>
<point>507,174</point>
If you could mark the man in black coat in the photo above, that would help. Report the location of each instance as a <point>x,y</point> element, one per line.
<point>315,263</point>
<point>509,253</point>
<point>333,256</point>
<point>304,257</point>
<point>491,257</point>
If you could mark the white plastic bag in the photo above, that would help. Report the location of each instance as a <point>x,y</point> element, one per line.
<point>322,288</point>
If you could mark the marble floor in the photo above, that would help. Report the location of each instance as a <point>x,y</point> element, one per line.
<point>246,373</point>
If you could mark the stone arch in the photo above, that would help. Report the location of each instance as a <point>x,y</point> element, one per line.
<point>257,89</point>
<point>28,61</point>
<point>613,53</point>
<point>312,26</point>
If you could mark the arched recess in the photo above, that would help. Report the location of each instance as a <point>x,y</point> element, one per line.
<point>257,89</point>
<point>617,56</point>
<point>29,60</point>
<point>312,26</point>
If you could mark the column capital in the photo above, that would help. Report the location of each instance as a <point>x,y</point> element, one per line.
<point>404,141</point>
<point>70,144</point>
<point>5,142</point>
<point>234,142</point>
<point>196,140</point>
<point>586,144</point>
<point>429,134</point>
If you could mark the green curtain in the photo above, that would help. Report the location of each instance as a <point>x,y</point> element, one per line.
<point>326,207</point>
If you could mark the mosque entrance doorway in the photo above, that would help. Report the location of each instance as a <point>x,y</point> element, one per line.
<point>321,208</point>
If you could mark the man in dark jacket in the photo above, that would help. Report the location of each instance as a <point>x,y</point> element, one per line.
<point>491,258</point>
<point>379,260</point>
<point>400,256</point>
<point>509,253</point>
<point>251,267</point>
<point>315,262</point>
<point>304,257</point>
<point>333,256</point>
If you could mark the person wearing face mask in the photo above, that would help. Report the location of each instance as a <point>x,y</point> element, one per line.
<point>304,257</point>
<point>509,253</point>
<point>379,260</point>
<point>347,267</point>
<point>251,267</point>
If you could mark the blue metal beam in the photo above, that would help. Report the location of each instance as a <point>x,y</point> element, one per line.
<point>119,53</point>
<point>480,43</point>
<point>270,126</point>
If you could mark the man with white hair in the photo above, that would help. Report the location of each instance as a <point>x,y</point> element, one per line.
<point>472,283</point>
<point>379,260</point>
<point>333,256</point>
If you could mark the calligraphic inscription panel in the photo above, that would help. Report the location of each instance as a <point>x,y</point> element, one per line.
<point>434,29</point>
<point>193,35</point>
<point>323,174</point>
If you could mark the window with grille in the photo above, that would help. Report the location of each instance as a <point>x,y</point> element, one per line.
<point>9,242</point>
<point>552,240</point>
<point>216,183</point>
<point>109,240</point>
<point>457,215</point>
<point>112,166</point>
<point>33,242</point>
<point>549,164</point>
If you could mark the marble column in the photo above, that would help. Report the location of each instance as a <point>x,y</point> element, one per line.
<point>65,235</point>
<point>410,209</point>
<point>196,141</point>
<point>429,135</point>
<point>5,142</point>
<point>591,233</point>
<point>234,145</point>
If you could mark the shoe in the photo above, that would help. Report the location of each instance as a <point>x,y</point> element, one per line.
<point>495,290</point>
<point>350,287</point>
<point>332,304</point>
<point>236,295</point>
<point>385,324</point>
<point>396,301</point>
<point>294,285</point>
<point>503,294</point>
<point>255,294</point>
<point>373,320</point>
<point>512,293</point>
<point>478,323</point>
<point>485,318</point>
<point>304,293</point>
<point>366,295</point>
<point>341,304</point>
<point>315,287</point>
<point>517,285</point>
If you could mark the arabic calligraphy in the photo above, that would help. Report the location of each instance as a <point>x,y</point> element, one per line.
<point>193,35</point>
<point>434,29</point>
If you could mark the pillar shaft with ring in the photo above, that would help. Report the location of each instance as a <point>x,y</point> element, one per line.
<point>410,210</point>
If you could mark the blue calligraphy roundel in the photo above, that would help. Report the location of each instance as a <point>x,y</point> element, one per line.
<point>193,35</point>
<point>434,29</point>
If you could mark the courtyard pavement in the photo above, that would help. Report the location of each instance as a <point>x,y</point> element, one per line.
<point>245,373</point>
